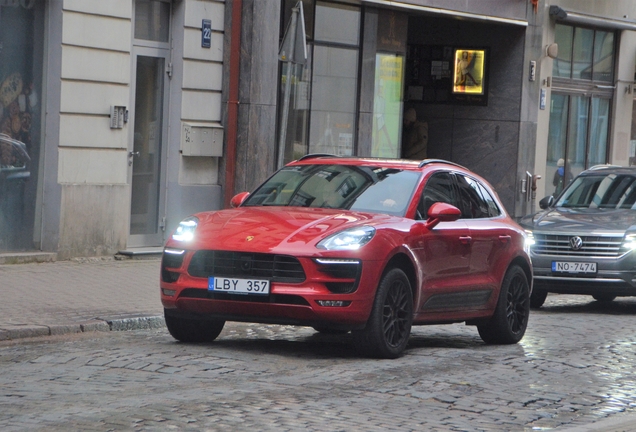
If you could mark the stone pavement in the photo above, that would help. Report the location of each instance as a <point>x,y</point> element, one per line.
<point>107,294</point>
<point>90,294</point>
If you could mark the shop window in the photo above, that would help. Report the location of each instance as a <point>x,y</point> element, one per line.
<point>321,115</point>
<point>20,108</point>
<point>577,138</point>
<point>580,104</point>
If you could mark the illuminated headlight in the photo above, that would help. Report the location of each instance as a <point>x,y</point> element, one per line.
<point>629,242</point>
<point>529,241</point>
<point>185,230</point>
<point>350,239</point>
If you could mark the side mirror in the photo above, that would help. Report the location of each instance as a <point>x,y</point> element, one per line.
<point>546,202</point>
<point>441,212</point>
<point>238,199</point>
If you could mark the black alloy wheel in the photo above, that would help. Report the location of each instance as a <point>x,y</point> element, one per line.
<point>510,320</point>
<point>193,330</point>
<point>389,327</point>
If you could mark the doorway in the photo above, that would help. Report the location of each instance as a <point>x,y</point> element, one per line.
<point>146,156</point>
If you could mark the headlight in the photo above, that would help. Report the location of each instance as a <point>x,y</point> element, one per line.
<point>529,241</point>
<point>350,239</point>
<point>629,242</point>
<point>185,230</point>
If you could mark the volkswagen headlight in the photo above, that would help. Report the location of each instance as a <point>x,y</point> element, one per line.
<point>349,239</point>
<point>629,242</point>
<point>185,230</point>
<point>529,241</point>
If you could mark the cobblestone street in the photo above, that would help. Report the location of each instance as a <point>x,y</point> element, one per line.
<point>575,367</point>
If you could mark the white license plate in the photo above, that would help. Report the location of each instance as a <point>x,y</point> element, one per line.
<point>573,267</point>
<point>238,286</point>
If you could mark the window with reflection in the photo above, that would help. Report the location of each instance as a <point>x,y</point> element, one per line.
<point>584,53</point>
<point>582,92</point>
<point>321,116</point>
<point>152,20</point>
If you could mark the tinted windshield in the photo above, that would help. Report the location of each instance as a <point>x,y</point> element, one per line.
<point>372,189</point>
<point>610,191</point>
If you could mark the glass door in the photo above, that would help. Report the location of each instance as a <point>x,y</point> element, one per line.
<point>146,156</point>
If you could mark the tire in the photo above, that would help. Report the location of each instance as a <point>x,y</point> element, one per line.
<point>537,298</point>
<point>193,330</point>
<point>510,320</point>
<point>604,297</point>
<point>329,330</point>
<point>389,327</point>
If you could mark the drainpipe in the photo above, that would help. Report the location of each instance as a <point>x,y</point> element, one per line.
<point>233,102</point>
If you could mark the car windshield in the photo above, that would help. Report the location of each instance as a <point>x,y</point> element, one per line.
<point>602,191</point>
<point>373,189</point>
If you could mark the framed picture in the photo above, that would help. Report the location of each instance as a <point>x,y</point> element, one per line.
<point>469,72</point>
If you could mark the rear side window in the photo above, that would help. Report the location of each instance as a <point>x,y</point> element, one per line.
<point>475,200</point>
<point>439,188</point>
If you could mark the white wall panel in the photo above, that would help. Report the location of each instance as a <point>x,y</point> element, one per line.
<point>96,31</point>
<point>81,166</point>
<point>91,131</point>
<point>198,10</point>
<point>115,8</point>
<point>192,48</point>
<point>92,98</point>
<point>199,171</point>
<point>95,65</point>
<point>202,106</point>
<point>202,75</point>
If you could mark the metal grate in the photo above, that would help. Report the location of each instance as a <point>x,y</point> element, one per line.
<point>276,268</point>
<point>598,246</point>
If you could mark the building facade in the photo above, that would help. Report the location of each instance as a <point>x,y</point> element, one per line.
<point>118,105</point>
<point>587,89</point>
<point>120,118</point>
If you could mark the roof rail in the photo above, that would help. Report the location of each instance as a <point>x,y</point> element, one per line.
<point>429,161</point>
<point>603,166</point>
<point>317,155</point>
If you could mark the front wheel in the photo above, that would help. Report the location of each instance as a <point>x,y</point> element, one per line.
<point>537,298</point>
<point>193,330</point>
<point>508,323</point>
<point>604,297</point>
<point>389,327</point>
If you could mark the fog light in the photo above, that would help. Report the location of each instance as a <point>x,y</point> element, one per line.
<point>168,292</point>
<point>333,303</point>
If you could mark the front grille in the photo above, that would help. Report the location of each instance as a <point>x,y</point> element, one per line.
<point>276,268</point>
<point>597,246</point>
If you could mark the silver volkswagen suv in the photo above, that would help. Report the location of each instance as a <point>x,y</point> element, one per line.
<point>584,241</point>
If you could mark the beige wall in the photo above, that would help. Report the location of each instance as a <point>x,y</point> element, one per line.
<point>96,74</point>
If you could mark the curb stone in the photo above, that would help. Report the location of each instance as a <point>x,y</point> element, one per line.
<point>125,324</point>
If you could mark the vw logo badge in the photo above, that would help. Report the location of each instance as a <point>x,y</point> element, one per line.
<point>576,243</point>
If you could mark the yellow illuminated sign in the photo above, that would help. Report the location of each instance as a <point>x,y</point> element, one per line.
<point>469,71</point>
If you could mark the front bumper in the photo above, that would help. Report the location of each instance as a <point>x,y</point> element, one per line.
<point>288,303</point>
<point>614,276</point>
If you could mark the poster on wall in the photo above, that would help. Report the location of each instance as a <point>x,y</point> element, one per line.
<point>468,77</point>
<point>387,105</point>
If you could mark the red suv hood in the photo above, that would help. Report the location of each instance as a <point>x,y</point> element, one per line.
<point>273,229</point>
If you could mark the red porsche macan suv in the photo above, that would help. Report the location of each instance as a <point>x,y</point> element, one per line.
<point>371,246</point>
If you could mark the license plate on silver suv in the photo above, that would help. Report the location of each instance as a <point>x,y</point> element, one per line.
<point>574,267</point>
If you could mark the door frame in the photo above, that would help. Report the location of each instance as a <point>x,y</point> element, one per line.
<point>156,239</point>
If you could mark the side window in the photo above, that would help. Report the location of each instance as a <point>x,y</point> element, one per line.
<point>475,200</point>
<point>439,188</point>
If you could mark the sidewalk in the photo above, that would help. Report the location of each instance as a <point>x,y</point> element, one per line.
<point>99,294</point>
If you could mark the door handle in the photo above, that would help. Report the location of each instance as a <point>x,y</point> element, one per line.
<point>465,239</point>
<point>504,238</point>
